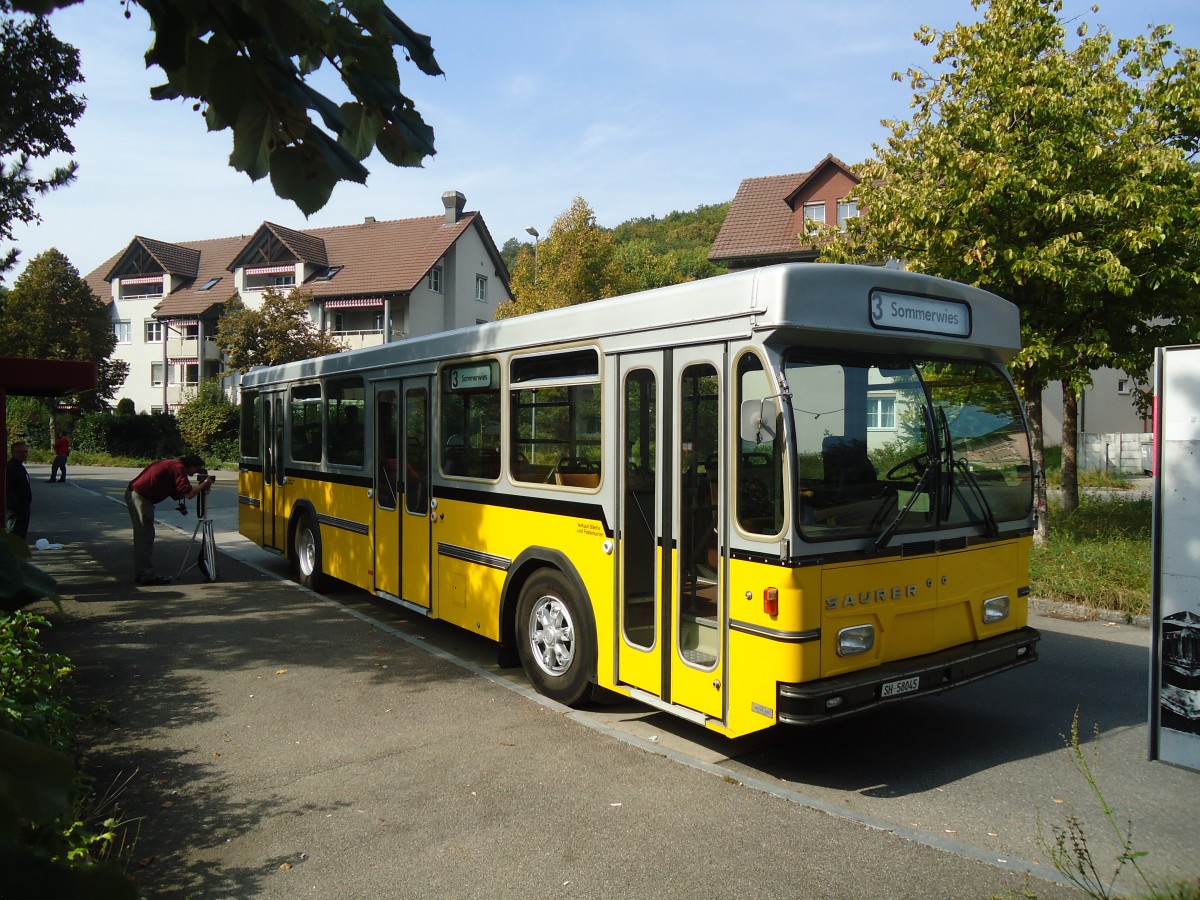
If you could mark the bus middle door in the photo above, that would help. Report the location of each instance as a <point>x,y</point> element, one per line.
<point>386,531</point>
<point>673,622</point>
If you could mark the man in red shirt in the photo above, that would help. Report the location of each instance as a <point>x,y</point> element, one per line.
<point>155,483</point>
<point>62,448</point>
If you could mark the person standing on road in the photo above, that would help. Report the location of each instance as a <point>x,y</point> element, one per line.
<point>62,448</point>
<point>155,483</point>
<point>18,495</point>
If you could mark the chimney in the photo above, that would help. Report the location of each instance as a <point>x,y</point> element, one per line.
<point>369,220</point>
<point>454,203</point>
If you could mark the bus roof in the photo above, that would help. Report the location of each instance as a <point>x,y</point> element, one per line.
<point>824,305</point>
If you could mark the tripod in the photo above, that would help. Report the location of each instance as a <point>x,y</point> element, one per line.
<point>206,559</point>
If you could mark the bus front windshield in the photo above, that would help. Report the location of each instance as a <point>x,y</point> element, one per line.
<point>889,446</point>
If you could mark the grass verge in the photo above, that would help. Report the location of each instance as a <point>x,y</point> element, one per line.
<point>1097,556</point>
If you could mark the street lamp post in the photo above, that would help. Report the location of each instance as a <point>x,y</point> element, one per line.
<point>533,231</point>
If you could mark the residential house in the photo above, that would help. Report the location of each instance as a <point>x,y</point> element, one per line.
<point>371,283</point>
<point>765,224</point>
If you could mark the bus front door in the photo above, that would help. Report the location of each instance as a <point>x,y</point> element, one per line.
<point>273,500</point>
<point>673,618</point>
<point>386,532</point>
<point>416,527</point>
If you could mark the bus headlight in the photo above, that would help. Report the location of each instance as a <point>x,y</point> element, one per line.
<point>855,640</point>
<point>995,609</point>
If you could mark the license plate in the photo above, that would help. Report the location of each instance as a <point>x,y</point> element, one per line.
<point>900,686</point>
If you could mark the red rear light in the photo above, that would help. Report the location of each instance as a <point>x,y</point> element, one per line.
<point>771,602</point>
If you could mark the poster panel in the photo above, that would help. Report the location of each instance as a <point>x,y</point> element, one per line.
<point>1175,572</point>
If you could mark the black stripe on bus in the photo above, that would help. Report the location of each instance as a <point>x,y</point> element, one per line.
<point>775,634</point>
<point>332,477</point>
<point>551,505</point>
<point>491,560</point>
<point>251,466</point>
<point>344,524</point>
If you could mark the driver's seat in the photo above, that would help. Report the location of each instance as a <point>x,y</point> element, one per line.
<point>848,468</point>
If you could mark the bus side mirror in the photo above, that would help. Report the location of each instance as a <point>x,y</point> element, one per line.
<point>758,418</point>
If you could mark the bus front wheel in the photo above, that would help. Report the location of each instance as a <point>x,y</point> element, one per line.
<point>306,554</point>
<point>551,640</point>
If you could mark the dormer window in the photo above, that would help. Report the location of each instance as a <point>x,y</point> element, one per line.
<point>141,286</point>
<point>815,212</point>
<point>260,278</point>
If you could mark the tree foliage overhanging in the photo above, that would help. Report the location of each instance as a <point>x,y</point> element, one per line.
<point>245,65</point>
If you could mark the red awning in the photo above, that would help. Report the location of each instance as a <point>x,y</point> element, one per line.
<point>349,304</point>
<point>143,279</point>
<point>289,269</point>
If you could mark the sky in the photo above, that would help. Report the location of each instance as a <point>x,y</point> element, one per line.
<point>642,107</point>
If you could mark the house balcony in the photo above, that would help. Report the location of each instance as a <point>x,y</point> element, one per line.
<point>356,340</point>
<point>189,348</point>
<point>177,393</point>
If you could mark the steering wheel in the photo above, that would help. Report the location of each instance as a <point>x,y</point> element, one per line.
<point>919,464</point>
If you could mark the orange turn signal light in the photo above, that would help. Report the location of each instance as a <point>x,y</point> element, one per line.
<point>771,602</point>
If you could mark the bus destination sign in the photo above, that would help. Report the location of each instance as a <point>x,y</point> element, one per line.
<point>907,312</point>
<point>470,378</point>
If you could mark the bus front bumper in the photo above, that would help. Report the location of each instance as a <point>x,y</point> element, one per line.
<point>832,698</point>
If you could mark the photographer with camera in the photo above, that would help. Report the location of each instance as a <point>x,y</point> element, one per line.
<point>155,483</point>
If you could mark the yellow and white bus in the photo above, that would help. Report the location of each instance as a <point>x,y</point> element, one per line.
<point>776,496</point>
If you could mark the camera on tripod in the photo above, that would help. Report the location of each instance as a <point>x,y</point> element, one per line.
<point>202,476</point>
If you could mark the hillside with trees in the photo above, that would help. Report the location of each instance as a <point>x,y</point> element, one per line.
<point>579,260</point>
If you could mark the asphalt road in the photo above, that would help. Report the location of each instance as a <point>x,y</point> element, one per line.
<point>944,796</point>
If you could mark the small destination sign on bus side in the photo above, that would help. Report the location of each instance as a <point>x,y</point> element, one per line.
<point>471,377</point>
<point>906,312</point>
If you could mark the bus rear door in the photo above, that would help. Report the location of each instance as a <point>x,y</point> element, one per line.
<point>273,500</point>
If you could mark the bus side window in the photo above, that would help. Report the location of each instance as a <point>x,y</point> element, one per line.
<point>758,503</point>
<point>304,422</point>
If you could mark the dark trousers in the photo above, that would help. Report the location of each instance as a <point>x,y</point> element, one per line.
<point>18,520</point>
<point>59,465</point>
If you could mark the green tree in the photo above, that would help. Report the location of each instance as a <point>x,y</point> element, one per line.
<point>52,313</point>
<point>208,421</point>
<point>576,263</point>
<point>38,72</point>
<point>682,240</point>
<point>247,67</point>
<point>1055,176</point>
<point>280,331</point>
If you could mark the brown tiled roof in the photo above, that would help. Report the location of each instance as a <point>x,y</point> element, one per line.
<point>759,222</point>
<point>174,258</point>
<point>305,247</point>
<point>829,159</point>
<point>762,221</point>
<point>377,258</point>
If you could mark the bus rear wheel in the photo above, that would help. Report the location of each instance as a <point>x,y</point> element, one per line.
<point>306,554</point>
<point>553,644</point>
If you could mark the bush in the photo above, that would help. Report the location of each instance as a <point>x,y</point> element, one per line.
<point>29,421</point>
<point>140,436</point>
<point>92,433</point>
<point>208,419</point>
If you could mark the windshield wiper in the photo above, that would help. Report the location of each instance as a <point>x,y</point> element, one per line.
<point>988,515</point>
<point>887,533</point>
